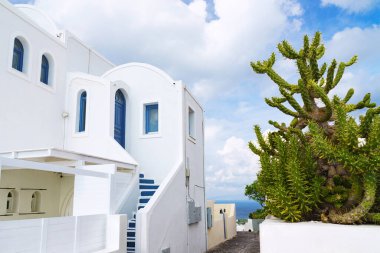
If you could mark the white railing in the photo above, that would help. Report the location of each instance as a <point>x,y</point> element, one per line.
<point>73,234</point>
<point>163,217</point>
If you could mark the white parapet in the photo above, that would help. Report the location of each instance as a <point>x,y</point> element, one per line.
<point>72,234</point>
<point>277,236</point>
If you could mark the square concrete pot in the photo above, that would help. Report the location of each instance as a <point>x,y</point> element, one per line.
<point>277,236</point>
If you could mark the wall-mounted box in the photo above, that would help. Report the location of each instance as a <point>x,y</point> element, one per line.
<point>195,212</point>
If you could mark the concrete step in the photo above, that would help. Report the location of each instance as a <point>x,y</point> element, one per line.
<point>148,187</point>
<point>146,181</point>
<point>144,200</point>
<point>131,224</point>
<point>130,245</point>
<point>131,234</point>
<point>141,205</point>
<point>147,193</point>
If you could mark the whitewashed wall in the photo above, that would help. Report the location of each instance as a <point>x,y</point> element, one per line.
<point>97,139</point>
<point>155,153</point>
<point>83,59</point>
<point>315,237</point>
<point>30,111</point>
<point>81,234</point>
<point>194,148</point>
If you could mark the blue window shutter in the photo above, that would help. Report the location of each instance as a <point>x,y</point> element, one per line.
<point>18,55</point>
<point>119,122</point>
<point>82,111</point>
<point>151,118</point>
<point>44,78</point>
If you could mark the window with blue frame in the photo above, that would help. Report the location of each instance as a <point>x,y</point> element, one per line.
<point>151,118</point>
<point>82,111</point>
<point>18,55</point>
<point>44,78</point>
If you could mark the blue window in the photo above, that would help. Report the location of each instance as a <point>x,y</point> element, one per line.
<point>44,70</point>
<point>18,55</point>
<point>82,111</point>
<point>119,124</point>
<point>151,118</point>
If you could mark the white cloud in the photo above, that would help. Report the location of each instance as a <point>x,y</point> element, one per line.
<point>212,132</point>
<point>352,5</point>
<point>238,168</point>
<point>176,36</point>
<point>199,8</point>
<point>362,76</point>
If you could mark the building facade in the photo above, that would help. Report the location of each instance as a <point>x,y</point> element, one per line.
<point>93,157</point>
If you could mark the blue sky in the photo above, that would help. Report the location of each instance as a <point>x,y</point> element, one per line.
<point>209,44</point>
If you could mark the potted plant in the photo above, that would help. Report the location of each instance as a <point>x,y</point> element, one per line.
<point>324,165</point>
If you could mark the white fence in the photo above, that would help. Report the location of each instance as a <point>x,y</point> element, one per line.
<point>76,234</point>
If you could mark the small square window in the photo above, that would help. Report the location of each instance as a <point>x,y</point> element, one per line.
<point>191,120</point>
<point>151,118</point>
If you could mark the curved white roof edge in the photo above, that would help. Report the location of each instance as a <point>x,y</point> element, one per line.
<point>141,65</point>
<point>40,17</point>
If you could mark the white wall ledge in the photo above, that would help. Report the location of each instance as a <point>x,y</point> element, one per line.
<point>277,236</point>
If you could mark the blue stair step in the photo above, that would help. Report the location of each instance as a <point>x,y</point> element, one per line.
<point>146,181</point>
<point>142,186</point>
<point>131,244</point>
<point>147,190</point>
<point>140,207</point>
<point>144,200</point>
<point>147,193</point>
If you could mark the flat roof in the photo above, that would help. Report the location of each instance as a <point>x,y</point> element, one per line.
<point>59,155</point>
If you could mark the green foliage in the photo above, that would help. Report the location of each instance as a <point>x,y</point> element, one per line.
<point>241,221</point>
<point>258,214</point>
<point>325,164</point>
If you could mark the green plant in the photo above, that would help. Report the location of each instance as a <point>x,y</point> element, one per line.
<point>241,221</point>
<point>324,165</point>
<point>258,214</point>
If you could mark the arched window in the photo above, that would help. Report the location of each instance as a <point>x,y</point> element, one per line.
<point>18,55</point>
<point>82,111</point>
<point>44,78</point>
<point>35,203</point>
<point>10,202</point>
<point>119,126</point>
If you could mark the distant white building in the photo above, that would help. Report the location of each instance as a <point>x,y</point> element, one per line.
<point>93,157</point>
<point>247,227</point>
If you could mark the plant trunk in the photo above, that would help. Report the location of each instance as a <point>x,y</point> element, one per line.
<point>359,212</point>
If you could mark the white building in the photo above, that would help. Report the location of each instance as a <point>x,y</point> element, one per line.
<point>85,143</point>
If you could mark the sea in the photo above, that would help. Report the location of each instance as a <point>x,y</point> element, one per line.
<point>243,207</point>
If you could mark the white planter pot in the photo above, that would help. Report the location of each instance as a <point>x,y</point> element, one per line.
<point>277,236</point>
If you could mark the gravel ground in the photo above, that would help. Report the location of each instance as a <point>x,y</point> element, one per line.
<point>243,242</point>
